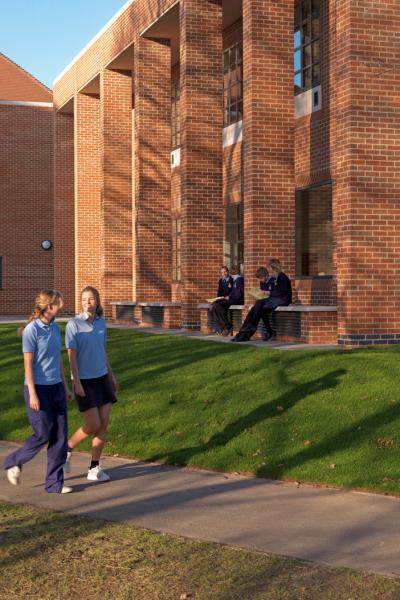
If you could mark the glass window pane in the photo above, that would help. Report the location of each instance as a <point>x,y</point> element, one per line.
<point>307,55</point>
<point>314,238</point>
<point>305,9</point>
<point>315,51</point>
<point>307,32</point>
<point>307,78</point>
<point>297,82</point>
<point>316,74</point>
<point>297,14</point>
<point>316,6</point>
<point>297,39</point>
<point>297,60</point>
<point>315,28</point>
<point>226,60</point>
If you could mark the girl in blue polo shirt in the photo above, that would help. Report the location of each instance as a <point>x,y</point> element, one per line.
<point>94,383</point>
<point>45,393</point>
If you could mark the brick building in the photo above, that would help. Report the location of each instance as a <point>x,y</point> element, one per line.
<point>26,188</point>
<point>186,139</point>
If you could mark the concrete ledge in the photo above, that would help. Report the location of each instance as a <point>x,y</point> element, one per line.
<point>161,304</point>
<point>207,306</point>
<point>127,303</point>
<point>306,308</point>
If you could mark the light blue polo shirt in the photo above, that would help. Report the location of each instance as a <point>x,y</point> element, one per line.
<point>44,341</point>
<point>89,340</point>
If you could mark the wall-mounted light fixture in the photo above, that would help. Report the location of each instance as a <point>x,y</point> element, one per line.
<point>46,245</point>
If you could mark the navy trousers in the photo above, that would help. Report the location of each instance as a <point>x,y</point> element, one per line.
<point>49,426</point>
<point>261,310</point>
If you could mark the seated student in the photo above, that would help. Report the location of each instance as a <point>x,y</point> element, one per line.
<point>220,309</point>
<point>225,283</point>
<point>279,294</point>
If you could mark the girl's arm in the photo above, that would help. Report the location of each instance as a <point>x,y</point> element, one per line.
<point>67,390</point>
<point>111,375</point>
<point>75,373</point>
<point>28,366</point>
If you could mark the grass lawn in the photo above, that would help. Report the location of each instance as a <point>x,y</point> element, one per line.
<point>319,416</point>
<point>47,555</point>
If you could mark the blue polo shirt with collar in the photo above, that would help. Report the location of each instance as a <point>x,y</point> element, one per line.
<point>44,342</point>
<point>89,340</point>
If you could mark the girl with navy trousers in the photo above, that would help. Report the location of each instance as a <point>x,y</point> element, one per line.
<point>45,394</point>
<point>94,383</point>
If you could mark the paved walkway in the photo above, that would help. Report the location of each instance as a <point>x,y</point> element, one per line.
<point>361,531</point>
<point>198,336</point>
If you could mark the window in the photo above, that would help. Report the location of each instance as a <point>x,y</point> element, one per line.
<point>1,272</point>
<point>307,67</point>
<point>233,243</point>
<point>176,249</point>
<point>175,115</point>
<point>233,84</point>
<point>314,238</point>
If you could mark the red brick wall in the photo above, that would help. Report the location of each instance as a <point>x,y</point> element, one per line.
<point>26,196</point>
<point>64,209</point>
<point>367,171</point>
<point>88,181</point>
<point>116,155</point>
<point>201,152</point>
<point>268,155</point>
<point>153,170</point>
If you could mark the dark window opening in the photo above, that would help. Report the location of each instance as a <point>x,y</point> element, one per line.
<point>175,115</point>
<point>233,84</point>
<point>314,235</point>
<point>176,250</point>
<point>233,242</point>
<point>307,67</point>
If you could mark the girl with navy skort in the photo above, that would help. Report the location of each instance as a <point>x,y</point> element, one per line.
<point>94,383</point>
<point>45,393</point>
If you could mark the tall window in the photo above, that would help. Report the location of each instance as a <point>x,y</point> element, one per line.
<point>175,115</point>
<point>314,238</point>
<point>233,84</point>
<point>307,67</point>
<point>176,249</point>
<point>233,243</point>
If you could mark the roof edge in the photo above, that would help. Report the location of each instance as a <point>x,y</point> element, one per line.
<point>93,40</point>
<point>35,79</point>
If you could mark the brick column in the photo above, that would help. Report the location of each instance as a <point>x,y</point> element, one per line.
<point>201,152</point>
<point>116,194</point>
<point>367,173</point>
<point>153,231</point>
<point>88,218</point>
<point>64,238</point>
<point>268,135</point>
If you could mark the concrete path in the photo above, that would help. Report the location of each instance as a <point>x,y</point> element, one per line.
<point>361,531</point>
<point>226,340</point>
<point>197,335</point>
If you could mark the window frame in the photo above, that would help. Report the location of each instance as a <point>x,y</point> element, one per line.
<point>176,249</point>
<point>175,115</point>
<point>238,222</point>
<point>304,44</point>
<point>229,69</point>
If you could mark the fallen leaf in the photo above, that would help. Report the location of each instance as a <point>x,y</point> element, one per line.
<point>307,442</point>
<point>185,596</point>
<point>280,408</point>
<point>332,466</point>
<point>178,433</point>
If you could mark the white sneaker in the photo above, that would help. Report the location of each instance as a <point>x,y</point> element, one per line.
<point>66,489</point>
<point>97,474</point>
<point>67,464</point>
<point>13,475</point>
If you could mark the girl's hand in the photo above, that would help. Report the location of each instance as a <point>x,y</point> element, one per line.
<point>114,384</point>
<point>34,403</point>
<point>68,393</point>
<point>79,391</point>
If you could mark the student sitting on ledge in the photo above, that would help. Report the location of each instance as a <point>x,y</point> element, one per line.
<point>220,308</point>
<point>278,294</point>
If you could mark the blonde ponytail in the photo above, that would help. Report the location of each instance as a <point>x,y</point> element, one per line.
<point>42,301</point>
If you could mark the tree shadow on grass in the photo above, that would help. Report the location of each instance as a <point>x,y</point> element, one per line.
<point>264,411</point>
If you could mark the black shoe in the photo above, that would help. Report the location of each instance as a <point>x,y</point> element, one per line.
<point>240,339</point>
<point>267,336</point>
<point>227,330</point>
